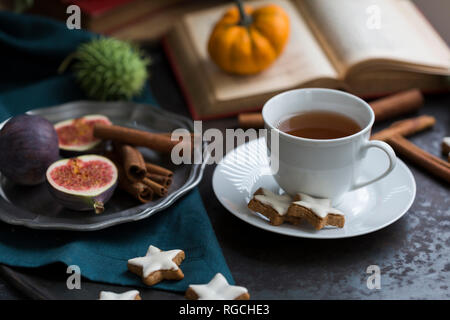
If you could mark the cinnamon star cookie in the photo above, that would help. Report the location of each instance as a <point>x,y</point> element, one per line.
<point>317,212</point>
<point>129,295</point>
<point>271,205</point>
<point>158,265</point>
<point>217,289</point>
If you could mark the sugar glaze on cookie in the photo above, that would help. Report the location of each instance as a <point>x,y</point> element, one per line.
<point>217,289</point>
<point>156,260</point>
<point>280,203</point>
<point>129,295</point>
<point>320,207</point>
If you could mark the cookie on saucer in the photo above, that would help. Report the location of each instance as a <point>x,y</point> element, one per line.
<point>318,212</point>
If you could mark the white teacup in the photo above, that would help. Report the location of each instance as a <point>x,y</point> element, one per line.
<point>321,168</point>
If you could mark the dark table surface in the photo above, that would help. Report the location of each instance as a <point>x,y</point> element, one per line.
<point>413,253</point>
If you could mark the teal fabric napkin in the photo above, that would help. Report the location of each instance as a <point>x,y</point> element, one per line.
<point>32,49</point>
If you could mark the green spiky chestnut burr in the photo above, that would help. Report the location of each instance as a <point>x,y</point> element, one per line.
<point>109,69</point>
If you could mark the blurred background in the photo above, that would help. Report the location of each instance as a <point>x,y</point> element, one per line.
<point>148,20</point>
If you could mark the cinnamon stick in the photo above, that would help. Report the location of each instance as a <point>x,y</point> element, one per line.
<point>138,190</point>
<point>133,162</point>
<point>154,141</point>
<point>405,127</point>
<point>162,180</point>
<point>169,134</point>
<point>156,187</point>
<point>394,135</point>
<point>154,168</point>
<point>432,164</point>
<point>418,150</point>
<point>384,108</point>
<point>156,181</point>
<point>397,104</point>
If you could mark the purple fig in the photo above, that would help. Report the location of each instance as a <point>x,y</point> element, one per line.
<point>28,145</point>
<point>76,136</point>
<point>83,183</point>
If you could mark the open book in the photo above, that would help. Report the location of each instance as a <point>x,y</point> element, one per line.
<point>366,47</point>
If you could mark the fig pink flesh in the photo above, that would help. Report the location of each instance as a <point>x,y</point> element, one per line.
<point>79,132</point>
<point>79,175</point>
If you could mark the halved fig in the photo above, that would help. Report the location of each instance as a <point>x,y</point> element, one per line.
<point>75,136</point>
<point>83,183</point>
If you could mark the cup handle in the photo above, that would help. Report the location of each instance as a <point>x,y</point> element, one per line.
<point>392,161</point>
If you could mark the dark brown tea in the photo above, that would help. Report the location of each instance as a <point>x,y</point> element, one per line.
<point>319,125</point>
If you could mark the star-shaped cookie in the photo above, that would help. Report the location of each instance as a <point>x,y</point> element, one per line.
<point>316,211</point>
<point>271,205</point>
<point>217,289</point>
<point>158,265</point>
<point>129,295</point>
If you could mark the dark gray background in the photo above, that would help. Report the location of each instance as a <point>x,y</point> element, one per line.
<point>413,253</point>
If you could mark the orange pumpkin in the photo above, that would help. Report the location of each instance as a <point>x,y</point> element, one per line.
<point>246,40</point>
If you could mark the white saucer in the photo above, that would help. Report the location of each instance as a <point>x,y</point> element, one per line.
<point>245,169</point>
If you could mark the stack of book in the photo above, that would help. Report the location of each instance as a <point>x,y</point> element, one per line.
<point>136,20</point>
<point>332,44</point>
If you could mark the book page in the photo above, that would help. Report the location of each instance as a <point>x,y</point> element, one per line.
<point>301,61</point>
<point>386,30</point>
